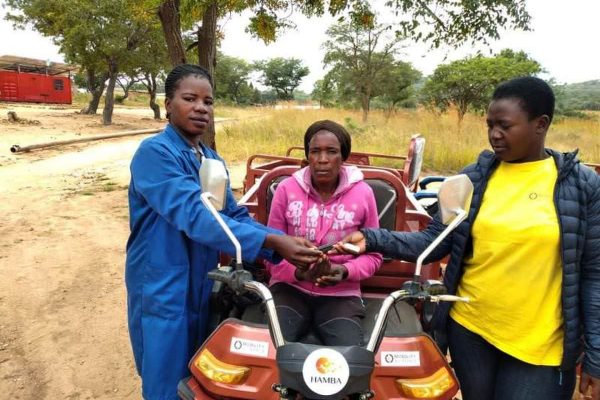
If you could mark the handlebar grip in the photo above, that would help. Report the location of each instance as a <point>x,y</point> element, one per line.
<point>449,297</point>
<point>218,275</point>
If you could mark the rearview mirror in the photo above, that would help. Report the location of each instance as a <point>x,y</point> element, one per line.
<point>454,200</point>
<point>454,195</point>
<point>214,180</point>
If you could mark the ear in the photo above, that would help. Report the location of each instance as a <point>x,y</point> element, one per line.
<point>168,104</point>
<point>542,124</point>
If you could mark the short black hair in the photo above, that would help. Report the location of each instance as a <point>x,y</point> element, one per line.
<point>180,72</point>
<point>534,94</point>
<point>330,126</point>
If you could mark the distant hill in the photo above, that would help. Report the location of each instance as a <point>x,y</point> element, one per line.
<point>579,96</point>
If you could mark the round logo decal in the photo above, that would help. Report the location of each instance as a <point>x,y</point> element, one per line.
<point>325,371</point>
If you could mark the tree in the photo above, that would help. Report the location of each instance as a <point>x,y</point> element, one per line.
<point>433,21</point>
<point>359,55</point>
<point>98,35</point>
<point>325,92</point>
<point>468,84</point>
<point>231,79</point>
<point>396,84</point>
<point>454,23</point>
<point>283,75</point>
<point>146,64</point>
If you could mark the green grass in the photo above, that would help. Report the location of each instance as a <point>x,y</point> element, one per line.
<point>447,150</point>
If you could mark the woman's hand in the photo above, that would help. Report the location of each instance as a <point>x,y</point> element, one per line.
<point>298,251</point>
<point>321,267</point>
<point>590,383</point>
<point>356,239</point>
<point>323,273</point>
<point>337,273</point>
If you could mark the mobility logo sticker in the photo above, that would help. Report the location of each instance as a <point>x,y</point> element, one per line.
<point>249,347</point>
<point>325,371</point>
<point>400,359</point>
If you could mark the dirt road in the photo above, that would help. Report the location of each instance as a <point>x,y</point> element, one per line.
<point>63,229</point>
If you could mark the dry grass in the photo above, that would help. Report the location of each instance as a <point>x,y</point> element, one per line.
<point>448,148</point>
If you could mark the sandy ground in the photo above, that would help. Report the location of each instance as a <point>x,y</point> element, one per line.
<point>63,229</point>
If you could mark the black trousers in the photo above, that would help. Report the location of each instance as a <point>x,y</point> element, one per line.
<point>487,373</point>
<point>335,319</point>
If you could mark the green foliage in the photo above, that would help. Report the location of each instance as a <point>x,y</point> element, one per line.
<point>578,96</point>
<point>282,74</point>
<point>454,22</point>
<point>102,36</point>
<point>324,92</point>
<point>231,80</point>
<point>433,21</point>
<point>361,57</point>
<point>468,84</point>
<point>397,85</point>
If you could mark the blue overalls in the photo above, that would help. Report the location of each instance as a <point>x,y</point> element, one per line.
<point>174,242</point>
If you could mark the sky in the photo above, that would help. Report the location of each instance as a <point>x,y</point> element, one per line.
<point>562,40</point>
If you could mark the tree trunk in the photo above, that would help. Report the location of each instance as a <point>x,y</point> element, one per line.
<point>109,99</point>
<point>126,88</point>
<point>364,103</point>
<point>168,13</point>
<point>151,78</point>
<point>207,57</point>
<point>461,110</point>
<point>95,85</point>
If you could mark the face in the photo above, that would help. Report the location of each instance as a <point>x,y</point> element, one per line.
<point>191,108</point>
<point>324,158</point>
<point>513,137</point>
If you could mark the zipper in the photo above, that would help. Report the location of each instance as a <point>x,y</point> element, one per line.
<point>560,376</point>
<point>560,254</point>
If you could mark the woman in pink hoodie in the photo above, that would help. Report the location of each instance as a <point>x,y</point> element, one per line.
<point>323,203</point>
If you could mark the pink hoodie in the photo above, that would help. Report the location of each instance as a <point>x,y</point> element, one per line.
<point>297,210</point>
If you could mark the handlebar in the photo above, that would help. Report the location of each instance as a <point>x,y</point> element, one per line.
<point>219,275</point>
<point>235,279</point>
<point>411,290</point>
<point>448,297</point>
<point>241,281</point>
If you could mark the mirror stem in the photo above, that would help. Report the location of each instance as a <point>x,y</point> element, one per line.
<point>205,197</point>
<point>461,215</point>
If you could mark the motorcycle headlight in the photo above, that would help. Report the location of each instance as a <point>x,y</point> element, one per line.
<point>429,387</point>
<point>219,371</point>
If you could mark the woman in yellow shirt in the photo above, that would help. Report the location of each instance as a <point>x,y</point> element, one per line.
<point>528,256</point>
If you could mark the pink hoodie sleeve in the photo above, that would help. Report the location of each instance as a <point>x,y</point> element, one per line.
<point>283,271</point>
<point>365,265</point>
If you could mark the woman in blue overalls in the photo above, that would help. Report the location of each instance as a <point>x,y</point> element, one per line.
<point>175,240</point>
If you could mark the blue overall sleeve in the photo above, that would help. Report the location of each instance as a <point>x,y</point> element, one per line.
<point>175,195</point>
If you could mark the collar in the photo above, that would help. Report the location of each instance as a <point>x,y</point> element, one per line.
<point>180,142</point>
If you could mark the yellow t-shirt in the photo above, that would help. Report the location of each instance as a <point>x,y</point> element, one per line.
<point>514,275</point>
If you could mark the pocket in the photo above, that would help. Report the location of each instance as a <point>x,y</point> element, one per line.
<point>164,290</point>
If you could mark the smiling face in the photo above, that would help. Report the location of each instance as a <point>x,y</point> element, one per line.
<point>513,136</point>
<point>191,107</point>
<point>324,160</point>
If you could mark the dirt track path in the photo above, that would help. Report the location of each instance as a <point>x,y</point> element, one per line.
<point>64,225</point>
<point>63,229</point>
